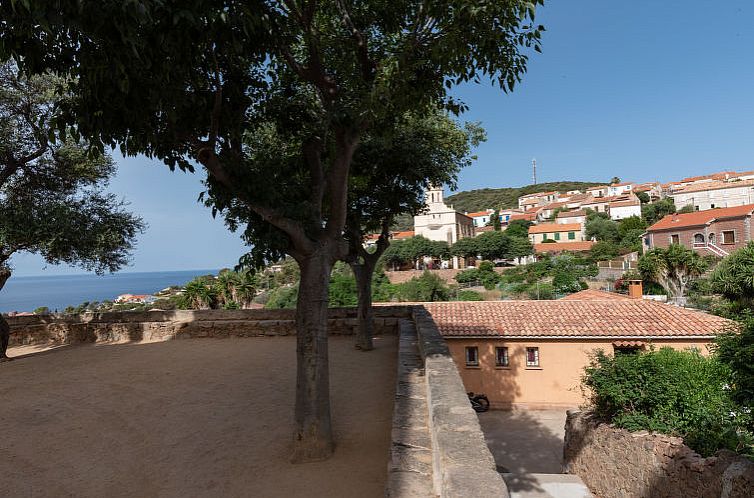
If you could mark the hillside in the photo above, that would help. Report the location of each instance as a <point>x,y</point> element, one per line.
<point>491,198</point>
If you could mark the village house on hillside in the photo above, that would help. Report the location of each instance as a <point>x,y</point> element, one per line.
<point>713,194</point>
<point>533,353</point>
<point>713,231</point>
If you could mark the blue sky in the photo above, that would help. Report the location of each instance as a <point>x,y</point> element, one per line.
<point>642,90</point>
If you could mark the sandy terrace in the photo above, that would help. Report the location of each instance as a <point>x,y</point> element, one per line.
<point>201,417</point>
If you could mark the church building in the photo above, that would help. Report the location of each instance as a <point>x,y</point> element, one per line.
<point>443,223</point>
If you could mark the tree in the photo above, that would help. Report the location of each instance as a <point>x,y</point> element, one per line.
<point>244,76</point>
<point>614,180</point>
<point>518,228</point>
<point>392,171</point>
<point>734,277</point>
<point>652,213</point>
<point>493,245</point>
<point>603,251</point>
<point>51,200</point>
<point>519,247</point>
<point>674,268</point>
<point>601,229</point>
<point>496,220</point>
<point>466,248</point>
<point>735,349</point>
<point>643,197</point>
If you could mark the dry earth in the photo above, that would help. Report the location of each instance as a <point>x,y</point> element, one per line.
<point>201,417</point>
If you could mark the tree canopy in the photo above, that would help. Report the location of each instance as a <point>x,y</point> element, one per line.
<point>673,267</point>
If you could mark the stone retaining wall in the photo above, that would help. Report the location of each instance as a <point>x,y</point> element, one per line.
<point>166,325</point>
<point>616,463</point>
<point>462,462</point>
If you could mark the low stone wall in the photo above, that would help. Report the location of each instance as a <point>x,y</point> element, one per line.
<point>166,325</point>
<point>462,462</point>
<point>616,463</point>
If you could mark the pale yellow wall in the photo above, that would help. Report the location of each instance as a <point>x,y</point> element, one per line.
<point>555,383</point>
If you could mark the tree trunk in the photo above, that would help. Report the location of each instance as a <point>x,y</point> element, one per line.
<point>313,437</point>
<point>363,273</point>
<point>4,327</point>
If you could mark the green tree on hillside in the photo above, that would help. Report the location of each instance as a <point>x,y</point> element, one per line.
<point>674,268</point>
<point>244,76</point>
<point>496,220</point>
<point>52,201</point>
<point>652,213</point>
<point>734,277</point>
<point>518,228</point>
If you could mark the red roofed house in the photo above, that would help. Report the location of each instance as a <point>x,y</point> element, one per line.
<point>533,353</point>
<point>559,232</point>
<point>481,218</point>
<point>714,231</point>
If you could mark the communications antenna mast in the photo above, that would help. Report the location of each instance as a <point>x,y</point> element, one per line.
<point>534,171</point>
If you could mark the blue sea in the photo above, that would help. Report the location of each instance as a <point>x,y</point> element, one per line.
<point>59,291</point>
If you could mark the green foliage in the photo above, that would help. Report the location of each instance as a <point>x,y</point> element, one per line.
<point>680,393</point>
<point>541,291</point>
<point>655,211</point>
<point>601,229</point>
<point>518,228</point>
<point>343,290</point>
<point>614,180</point>
<point>519,247</point>
<point>688,208</point>
<point>496,220</point>
<point>643,197</point>
<point>485,275</point>
<point>282,297</point>
<point>734,277</point>
<point>735,349</point>
<point>425,288</point>
<point>674,268</point>
<point>492,245</point>
<point>466,248</point>
<point>42,310</point>
<point>507,198</point>
<point>52,198</point>
<point>468,295</point>
<point>603,251</point>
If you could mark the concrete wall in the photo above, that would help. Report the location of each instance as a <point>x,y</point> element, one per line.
<point>616,463</point>
<point>166,325</point>
<point>555,383</point>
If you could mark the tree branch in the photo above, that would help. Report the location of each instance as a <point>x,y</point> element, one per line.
<point>346,144</point>
<point>362,49</point>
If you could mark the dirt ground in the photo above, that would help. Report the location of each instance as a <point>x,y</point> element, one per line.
<point>201,417</point>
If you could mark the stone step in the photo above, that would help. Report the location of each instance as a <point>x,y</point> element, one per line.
<point>546,486</point>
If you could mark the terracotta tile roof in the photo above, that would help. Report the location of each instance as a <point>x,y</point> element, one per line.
<point>523,216</point>
<point>595,295</point>
<point>629,319</point>
<point>484,229</point>
<point>713,185</point>
<point>580,246</point>
<point>555,227</point>
<point>570,214</point>
<point>478,213</point>
<point>403,235</point>
<point>713,176</point>
<point>601,187</point>
<point>624,184</point>
<point>699,218</point>
<point>629,202</point>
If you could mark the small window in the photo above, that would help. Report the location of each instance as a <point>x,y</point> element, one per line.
<point>472,356</point>
<point>712,206</point>
<point>675,239</point>
<point>729,237</point>
<point>544,236</point>
<point>698,238</point>
<point>557,235</point>
<point>532,357</point>
<point>571,235</point>
<point>627,350</point>
<point>501,356</point>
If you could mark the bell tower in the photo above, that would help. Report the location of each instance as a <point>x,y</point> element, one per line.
<point>434,197</point>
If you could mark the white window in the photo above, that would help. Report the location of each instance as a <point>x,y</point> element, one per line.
<point>532,357</point>
<point>472,356</point>
<point>501,356</point>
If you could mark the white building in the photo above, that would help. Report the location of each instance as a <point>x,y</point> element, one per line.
<point>481,218</point>
<point>621,209</point>
<point>441,222</point>
<point>619,189</point>
<point>715,194</point>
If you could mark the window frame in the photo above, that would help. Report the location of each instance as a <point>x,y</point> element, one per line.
<point>537,363</point>
<point>723,232</point>
<point>506,356</point>
<point>571,235</point>
<point>677,238</point>
<point>475,362</point>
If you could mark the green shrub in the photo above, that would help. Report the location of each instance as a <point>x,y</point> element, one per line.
<point>680,393</point>
<point>426,288</point>
<point>543,291</point>
<point>282,297</point>
<point>469,295</point>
